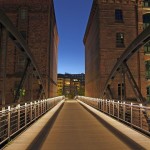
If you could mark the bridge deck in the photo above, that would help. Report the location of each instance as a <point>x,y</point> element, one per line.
<point>76,129</point>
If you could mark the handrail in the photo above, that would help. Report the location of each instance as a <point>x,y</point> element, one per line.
<point>137,116</point>
<point>16,118</point>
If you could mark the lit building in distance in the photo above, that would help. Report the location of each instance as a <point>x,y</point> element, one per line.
<point>70,85</point>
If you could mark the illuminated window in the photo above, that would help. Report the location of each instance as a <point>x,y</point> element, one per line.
<point>118,15</point>
<point>119,39</point>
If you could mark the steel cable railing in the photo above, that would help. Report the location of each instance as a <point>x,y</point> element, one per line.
<point>135,115</point>
<point>15,118</point>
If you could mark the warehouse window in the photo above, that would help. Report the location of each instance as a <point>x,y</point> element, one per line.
<point>147,66</point>
<point>23,13</point>
<point>146,23</point>
<point>121,87</point>
<point>146,3</point>
<point>119,39</point>
<point>148,93</point>
<point>20,63</point>
<point>118,15</point>
<point>24,34</point>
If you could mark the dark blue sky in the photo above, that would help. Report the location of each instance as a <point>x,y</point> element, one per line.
<point>72,17</point>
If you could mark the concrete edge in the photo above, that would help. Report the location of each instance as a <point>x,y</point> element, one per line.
<point>135,136</point>
<point>25,139</point>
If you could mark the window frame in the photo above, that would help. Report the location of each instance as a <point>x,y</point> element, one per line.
<point>23,13</point>
<point>147,68</point>
<point>118,15</point>
<point>121,86</point>
<point>120,39</point>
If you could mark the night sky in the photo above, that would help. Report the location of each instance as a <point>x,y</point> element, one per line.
<point>72,17</point>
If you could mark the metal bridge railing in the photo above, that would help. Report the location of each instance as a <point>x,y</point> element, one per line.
<point>16,118</point>
<point>135,115</point>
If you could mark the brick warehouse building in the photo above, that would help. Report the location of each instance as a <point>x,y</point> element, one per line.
<point>112,26</point>
<point>35,19</point>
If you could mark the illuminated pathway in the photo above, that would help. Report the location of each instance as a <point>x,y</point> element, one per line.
<point>77,129</point>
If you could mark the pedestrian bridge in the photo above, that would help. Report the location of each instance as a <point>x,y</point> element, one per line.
<point>75,125</point>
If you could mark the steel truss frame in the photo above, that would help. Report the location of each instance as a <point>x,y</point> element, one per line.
<point>141,40</point>
<point>20,43</point>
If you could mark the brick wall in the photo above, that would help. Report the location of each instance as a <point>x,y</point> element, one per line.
<point>41,32</point>
<point>101,51</point>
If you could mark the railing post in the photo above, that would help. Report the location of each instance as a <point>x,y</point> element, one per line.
<point>103,105</point>
<point>48,104</point>
<point>30,111</point>
<point>109,106</point>
<point>44,106</point>
<point>118,109</point>
<point>41,102</point>
<point>113,107</point>
<point>106,107</point>
<point>25,114</point>
<point>124,111</point>
<point>18,107</point>
<point>141,121</point>
<point>9,116</point>
<point>38,108</point>
<point>131,114</point>
<point>35,109</point>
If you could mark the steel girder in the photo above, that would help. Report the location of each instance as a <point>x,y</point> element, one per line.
<point>141,40</point>
<point>19,41</point>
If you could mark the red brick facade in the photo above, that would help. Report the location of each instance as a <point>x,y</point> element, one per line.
<point>35,19</point>
<point>101,52</point>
